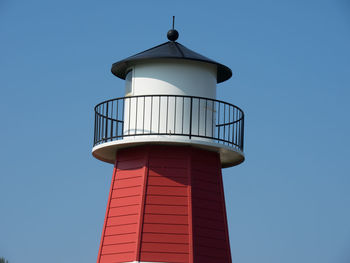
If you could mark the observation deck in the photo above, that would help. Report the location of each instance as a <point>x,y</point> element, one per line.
<point>169,120</point>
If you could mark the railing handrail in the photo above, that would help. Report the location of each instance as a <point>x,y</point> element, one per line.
<point>170,95</point>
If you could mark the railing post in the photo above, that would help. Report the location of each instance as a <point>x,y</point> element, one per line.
<point>95,128</point>
<point>111,131</point>
<point>123,106</point>
<point>242,132</point>
<point>191,117</point>
<point>106,131</point>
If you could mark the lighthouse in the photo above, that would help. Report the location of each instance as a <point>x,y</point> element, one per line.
<point>168,139</point>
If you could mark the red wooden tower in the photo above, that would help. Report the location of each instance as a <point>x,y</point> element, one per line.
<point>168,139</point>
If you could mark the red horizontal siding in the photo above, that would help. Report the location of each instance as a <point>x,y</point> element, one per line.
<point>179,193</point>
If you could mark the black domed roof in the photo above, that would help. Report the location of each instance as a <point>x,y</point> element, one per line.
<point>173,50</point>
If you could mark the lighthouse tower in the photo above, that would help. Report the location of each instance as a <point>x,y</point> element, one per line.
<point>168,138</point>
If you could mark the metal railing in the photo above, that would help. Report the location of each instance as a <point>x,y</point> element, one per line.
<point>169,115</point>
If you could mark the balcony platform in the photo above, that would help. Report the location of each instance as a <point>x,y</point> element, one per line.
<point>107,152</point>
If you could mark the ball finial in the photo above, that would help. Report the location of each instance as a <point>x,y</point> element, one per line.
<point>173,35</point>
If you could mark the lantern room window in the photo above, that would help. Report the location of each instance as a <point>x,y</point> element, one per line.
<point>128,83</point>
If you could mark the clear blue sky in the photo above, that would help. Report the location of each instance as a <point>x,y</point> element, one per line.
<point>289,202</point>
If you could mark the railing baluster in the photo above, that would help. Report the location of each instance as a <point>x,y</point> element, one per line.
<point>112,102</point>
<point>137,103</point>
<point>98,138</point>
<point>150,125</point>
<point>233,126</point>
<point>229,126</point>
<point>205,118</point>
<point>224,122</point>
<point>106,116</point>
<point>199,110</point>
<point>191,117</point>
<point>219,122</point>
<point>183,109</point>
<point>242,132</point>
<point>117,118</point>
<point>103,122</point>
<point>95,126</point>
<point>167,112</point>
<point>143,117</point>
<point>129,128</point>
<point>159,100</point>
<point>123,111</point>
<point>175,116</point>
<point>213,119</point>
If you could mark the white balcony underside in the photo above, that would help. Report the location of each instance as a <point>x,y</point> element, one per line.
<point>230,156</point>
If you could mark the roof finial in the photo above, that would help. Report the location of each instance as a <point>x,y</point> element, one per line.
<point>172,33</point>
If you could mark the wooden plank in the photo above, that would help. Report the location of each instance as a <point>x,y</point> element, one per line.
<point>165,238</point>
<point>124,174</point>
<point>122,220</point>
<point>164,248</point>
<point>165,219</point>
<point>214,233</point>
<point>119,248</point>
<point>200,222</point>
<point>199,194</point>
<point>166,200</point>
<point>159,190</point>
<point>124,229</point>
<point>167,210</point>
<point>164,257</point>
<point>163,181</point>
<point>116,239</point>
<point>130,164</point>
<point>129,182</point>
<point>127,200</point>
<point>211,259</point>
<point>166,163</point>
<point>124,210</point>
<point>118,258</point>
<point>205,186</point>
<point>165,228</point>
<point>210,242</point>
<point>168,172</point>
<point>127,191</point>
